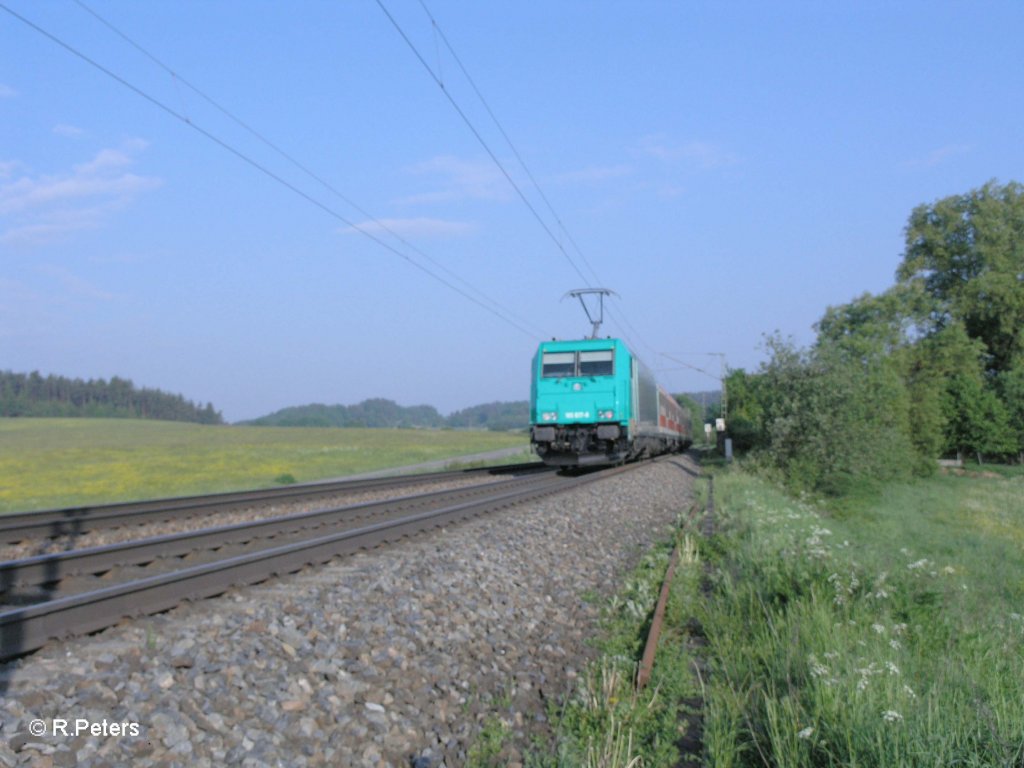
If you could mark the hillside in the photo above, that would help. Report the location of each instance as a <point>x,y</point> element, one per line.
<point>382,413</point>
<point>375,412</point>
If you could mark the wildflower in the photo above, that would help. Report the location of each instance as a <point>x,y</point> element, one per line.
<point>893,669</point>
<point>806,732</point>
<point>879,629</point>
<point>899,629</point>
<point>909,691</point>
<point>949,570</point>
<point>817,668</point>
<point>891,716</point>
<point>919,564</point>
<point>895,644</point>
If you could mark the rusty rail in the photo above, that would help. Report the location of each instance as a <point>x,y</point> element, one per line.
<point>643,674</point>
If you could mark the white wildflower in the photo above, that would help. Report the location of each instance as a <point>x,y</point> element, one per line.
<point>899,629</point>
<point>893,669</point>
<point>909,691</point>
<point>891,716</point>
<point>806,732</point>
<point>918,564</point>
<point>879,629</point>
<point>949,570</point>
<point>895,644</point>
<point>817,668</point>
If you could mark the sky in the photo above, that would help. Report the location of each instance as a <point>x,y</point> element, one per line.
<point>262,204</point>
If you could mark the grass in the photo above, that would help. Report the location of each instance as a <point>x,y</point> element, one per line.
<point>888,635</point>
<point>607,723</point>
<point>48,463</point>
<point>884,630</point>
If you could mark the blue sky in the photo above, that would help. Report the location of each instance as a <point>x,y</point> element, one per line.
<point>728,169</point>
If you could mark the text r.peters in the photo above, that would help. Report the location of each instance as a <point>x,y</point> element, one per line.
<point>104,728</point>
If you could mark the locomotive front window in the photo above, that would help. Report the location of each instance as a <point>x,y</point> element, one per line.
<point>558,365</point>
<point>599,362</point>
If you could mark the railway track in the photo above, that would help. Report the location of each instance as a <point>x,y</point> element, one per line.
<point>83,590</point>
<point>74,521</point>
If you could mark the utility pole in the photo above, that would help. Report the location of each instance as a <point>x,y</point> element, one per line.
<point>725,394</point>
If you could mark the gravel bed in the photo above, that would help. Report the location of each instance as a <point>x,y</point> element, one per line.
<point>257,511</point>
<point>393,657</point>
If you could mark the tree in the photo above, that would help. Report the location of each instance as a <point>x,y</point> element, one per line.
<point>977,421</point>
<point>1011,388</point>
<point>967,252</point>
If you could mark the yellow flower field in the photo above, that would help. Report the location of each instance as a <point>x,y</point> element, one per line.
<point>48,463</point>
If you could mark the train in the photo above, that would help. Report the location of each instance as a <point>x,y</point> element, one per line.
<point>593,402</point>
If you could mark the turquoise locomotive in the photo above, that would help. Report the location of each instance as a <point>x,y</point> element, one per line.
<point>593,402</point>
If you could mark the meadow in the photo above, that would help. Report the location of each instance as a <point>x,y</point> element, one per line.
<point>888,633</point>
<point>885,631</point>
<point>50,463</point>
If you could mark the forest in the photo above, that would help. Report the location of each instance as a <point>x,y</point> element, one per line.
<point>33,395</point>
<point>932,367</point>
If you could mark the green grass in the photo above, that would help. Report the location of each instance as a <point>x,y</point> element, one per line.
<point>608,724</point>
<point>888,635</point>
<point>47,463</point>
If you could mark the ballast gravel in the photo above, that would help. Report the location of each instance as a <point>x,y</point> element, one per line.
<point>392,657</point>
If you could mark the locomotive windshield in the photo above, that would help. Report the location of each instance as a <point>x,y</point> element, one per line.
<point>560,365</point>
<point>597,363</point>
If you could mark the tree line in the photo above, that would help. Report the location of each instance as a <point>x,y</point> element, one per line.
<point>33,395</point>
<point>932,367</point>
<point>382,413</point>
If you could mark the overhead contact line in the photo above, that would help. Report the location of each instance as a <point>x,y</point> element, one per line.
<point>263,169</point>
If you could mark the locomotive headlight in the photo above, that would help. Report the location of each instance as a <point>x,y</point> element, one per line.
<point>606,414</point>
<point>550,416</point>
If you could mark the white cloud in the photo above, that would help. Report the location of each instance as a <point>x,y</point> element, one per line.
<point>74,284</point>
<point>69,131</point>
<point>458,179</point>
<point>703,154</point>
<point>45,207</point>
<point>420,226</point>
<point>939,156</point>
<point>594,174</point>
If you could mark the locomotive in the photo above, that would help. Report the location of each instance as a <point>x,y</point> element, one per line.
<point>593,402</point>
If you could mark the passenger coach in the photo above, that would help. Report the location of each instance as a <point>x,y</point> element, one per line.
<point>593,402</point>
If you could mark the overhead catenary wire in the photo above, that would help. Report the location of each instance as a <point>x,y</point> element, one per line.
<point>483,142</point>
<point>177,78</point>
<point>254,163</point>
<point>508,140</point>
<point>619,315</point>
